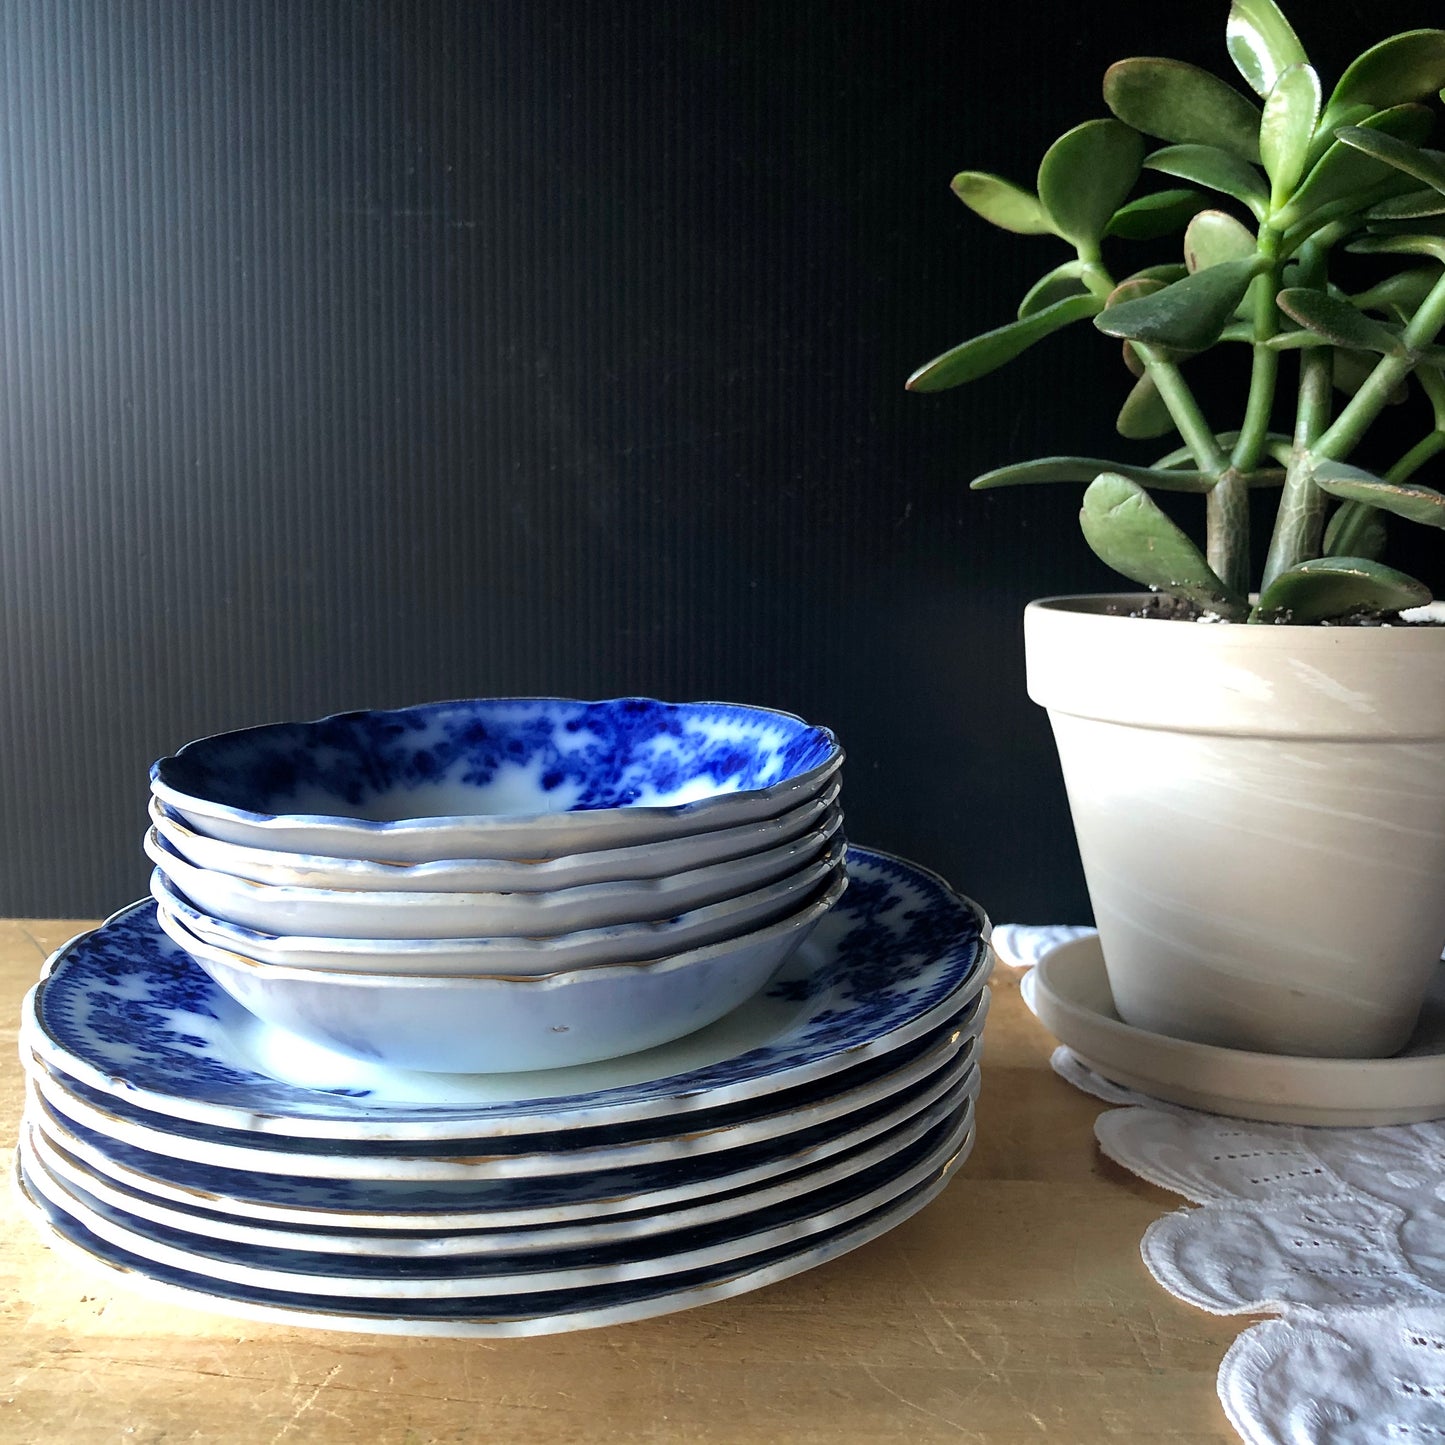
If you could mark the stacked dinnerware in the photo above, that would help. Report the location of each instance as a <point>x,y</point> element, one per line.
<point>499,884</point>
<point>499,1018</point>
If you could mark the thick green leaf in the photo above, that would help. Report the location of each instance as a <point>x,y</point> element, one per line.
<point>1329,121</point>
<point>1143,417</point>
<point>1331,587</point>
<point>1262,43</point>
<point>1407,207</point>
<point>1158,214</point>
<point>1290,113</point>
<point>1002,203</point>
<point>1344,172</point>
<point>1056,285</point>
<point>1130,290</point>
<point>1405,67</point>
<point>1404,499</point>
<point>1423,165</point>
<point>1127,530</point>
<point>1167,274</point>
<point>1086,175</point>
<point>1338,322</point>
<point>1085,469</point>
<point>982,354</point>
<point>1190,314</point>
<point>1400,245</point>
<point>1182,104</point>
<point>1215,168</point>
<point>1356,532</point>
<point>1215,236</point>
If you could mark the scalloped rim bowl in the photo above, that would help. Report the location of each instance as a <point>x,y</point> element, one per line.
<point>358,913</point>
<point>497,777</point>
<point>492,1024</point>
<point>515,957</point>
<point>492,875</point>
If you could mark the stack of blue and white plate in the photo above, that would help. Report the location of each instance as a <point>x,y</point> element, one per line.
<point>466,1152</point>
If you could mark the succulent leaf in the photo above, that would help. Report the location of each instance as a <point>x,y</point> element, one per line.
<point>1056,285</point>
<point>982,354</point>
<point>1002,203</point>
<point>1405,499</point>
<point>1159,214</point>
<point>1420,244</point>
<point>1345,172</point>
<point>1167,273</point>
<point>1290,113</point>
<point>1405,67</point>
<point>1262,43</point>
<point>1423,165</point>
<point>1217,169</point>
<point>1129,533</point>
<point>1331,587</point>
<point>1086,175</point>
<point>1215,236</point>
<point>1085,469</point>
<point>1182,104</point>
<point>1190,314</point>
<point>1338,322</point>
<point>1143,417</point>
<point>1409,206</point>
<point>1366,534</point>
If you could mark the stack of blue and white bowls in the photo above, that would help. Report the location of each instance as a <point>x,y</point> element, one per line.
<point>489,967</point>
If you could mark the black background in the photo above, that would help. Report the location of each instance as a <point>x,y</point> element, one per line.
<point>357,354</point>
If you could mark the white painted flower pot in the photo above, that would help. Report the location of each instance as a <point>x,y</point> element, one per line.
<point>1261,817</point>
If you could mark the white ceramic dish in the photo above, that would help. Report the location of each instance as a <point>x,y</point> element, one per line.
<point>551,1201</point>
<point>365,913</point>
<point>493,1024</point>
<point>493,875</point>
<point>900,1129</point>
<point>805,1213</point>
<point>497,777</point>
<point>482,1158</point>
<point>487,1318</point>
<point>519,956</point>
<point>1071,997</point>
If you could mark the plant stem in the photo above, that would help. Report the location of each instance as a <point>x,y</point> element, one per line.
<point>1227,502</point>
<point>1300,516</point>
<point>1227,511</point>
<point>1416,457</point>
<point>1370,400</point>
<point>1302,505</point>
<point>1184,409</point>
<point>1264,365</point>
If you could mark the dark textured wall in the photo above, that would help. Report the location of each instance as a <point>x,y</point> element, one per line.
<point>358,354</point>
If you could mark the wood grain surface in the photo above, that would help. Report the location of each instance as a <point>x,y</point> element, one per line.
<point>1013,1308</point>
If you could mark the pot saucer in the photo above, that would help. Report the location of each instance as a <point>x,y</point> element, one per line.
<point>1072,999</point>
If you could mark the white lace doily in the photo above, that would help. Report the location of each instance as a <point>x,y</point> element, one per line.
<point>1341,1232</point>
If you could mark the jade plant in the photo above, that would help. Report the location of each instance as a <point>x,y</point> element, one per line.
<point>1313,262</point>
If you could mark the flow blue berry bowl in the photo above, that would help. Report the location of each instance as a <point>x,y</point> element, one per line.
<point>503,778</point>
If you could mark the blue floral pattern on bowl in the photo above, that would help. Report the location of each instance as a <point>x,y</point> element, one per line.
<point>489,767</point>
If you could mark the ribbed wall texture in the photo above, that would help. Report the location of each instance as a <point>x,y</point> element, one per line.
<point>356,354</point>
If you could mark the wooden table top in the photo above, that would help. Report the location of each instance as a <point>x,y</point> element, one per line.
<point>1014,1307</point>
